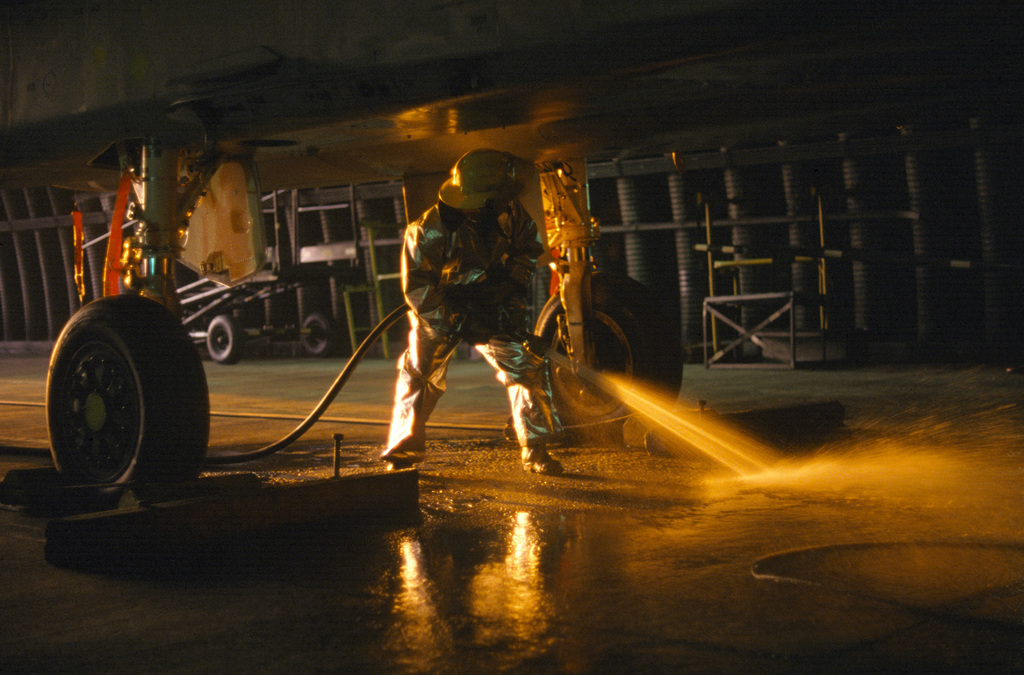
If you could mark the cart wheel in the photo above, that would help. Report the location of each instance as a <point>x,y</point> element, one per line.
<point>317,336</point>
<point>224,340</point>
<point>631,336</point>
<point>126,396</point>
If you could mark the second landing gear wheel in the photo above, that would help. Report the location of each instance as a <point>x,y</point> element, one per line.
<point>126,397</point>
<point>631,336</point>
<point>316,335</point>
<point>224,340</point>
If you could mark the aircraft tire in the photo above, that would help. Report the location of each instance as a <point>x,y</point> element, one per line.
<point>224,340</point>
<point>126,395</point>
<point>632,337</point>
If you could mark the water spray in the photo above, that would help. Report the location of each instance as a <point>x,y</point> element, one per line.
<point>721,443</point>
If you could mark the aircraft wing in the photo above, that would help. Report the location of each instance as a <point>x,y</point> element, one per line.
<point>326,93</point>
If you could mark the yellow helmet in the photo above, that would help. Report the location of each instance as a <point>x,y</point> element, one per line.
<point>480,175</point>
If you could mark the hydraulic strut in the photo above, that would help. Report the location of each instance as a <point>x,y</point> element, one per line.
<point>572,231</point>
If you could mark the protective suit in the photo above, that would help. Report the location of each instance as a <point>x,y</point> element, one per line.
<point>466,267</point>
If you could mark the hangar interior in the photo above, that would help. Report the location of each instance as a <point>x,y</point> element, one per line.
<point>910,237</point>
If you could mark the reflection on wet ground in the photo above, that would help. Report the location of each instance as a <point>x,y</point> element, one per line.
<point>893,547</point>
<point>832,563</point>
<point>897,547</point>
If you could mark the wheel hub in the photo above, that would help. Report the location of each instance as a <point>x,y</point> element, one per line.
<point>101,422</point>
<point>95,411</point>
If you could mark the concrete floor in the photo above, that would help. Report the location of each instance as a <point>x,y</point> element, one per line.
<point>896,545</point>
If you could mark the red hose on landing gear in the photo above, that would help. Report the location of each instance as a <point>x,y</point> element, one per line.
<point>346,372</point>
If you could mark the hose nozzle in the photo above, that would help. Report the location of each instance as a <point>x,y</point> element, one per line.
<point>534,344</point>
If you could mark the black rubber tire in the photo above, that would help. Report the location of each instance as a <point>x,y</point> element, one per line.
<point>632,336</point>
<point>224,340</point>
<point>317,335</point>
<point>126,395</point>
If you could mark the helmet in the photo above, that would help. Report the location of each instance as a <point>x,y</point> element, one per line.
<point>480,175</point>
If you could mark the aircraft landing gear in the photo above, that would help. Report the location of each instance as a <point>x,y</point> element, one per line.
<point>604,321</point>
<point>126,397</point>
<point>628,334</point>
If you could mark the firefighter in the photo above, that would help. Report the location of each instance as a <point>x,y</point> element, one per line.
<point>466,268</point>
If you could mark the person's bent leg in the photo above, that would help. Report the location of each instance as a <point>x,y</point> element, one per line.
<point>422,371</point>
<point>527,377</point>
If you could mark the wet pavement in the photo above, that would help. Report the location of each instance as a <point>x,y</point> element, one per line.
<point>895,544</point>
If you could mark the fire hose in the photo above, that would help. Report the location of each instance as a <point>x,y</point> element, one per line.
<point>328,398</point>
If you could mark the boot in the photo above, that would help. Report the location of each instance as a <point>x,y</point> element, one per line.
<point>404,455</point>
<point>537,460</point>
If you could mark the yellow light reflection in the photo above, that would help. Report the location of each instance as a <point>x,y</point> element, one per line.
<point>509,596</point>
<point>418,633</point>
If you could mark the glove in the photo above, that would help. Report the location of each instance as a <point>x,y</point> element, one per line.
<point>503,283</point>
<point>479,328</point>
<point>479,297</point>
<point>467,298</point>
<point>479,309</point>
